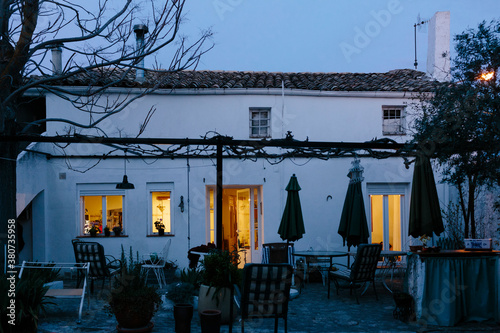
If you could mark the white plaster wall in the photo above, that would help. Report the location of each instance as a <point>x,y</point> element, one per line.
<point>181,116</point>
<point>191,116</point>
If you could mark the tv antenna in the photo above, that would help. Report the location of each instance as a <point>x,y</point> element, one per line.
<point>418,25</point>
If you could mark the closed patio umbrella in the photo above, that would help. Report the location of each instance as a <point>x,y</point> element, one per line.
<point>425,213</point>
<point>353,225</point>
<point>292,223</point>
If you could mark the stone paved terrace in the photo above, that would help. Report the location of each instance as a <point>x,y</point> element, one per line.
<point>311,312</point>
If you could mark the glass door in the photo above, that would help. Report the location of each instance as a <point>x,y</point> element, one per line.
<point>386,221</point>
<point>241,221</point>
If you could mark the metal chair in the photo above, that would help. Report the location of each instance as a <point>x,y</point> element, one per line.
<point>266,292</point>
<point>157,264</point>
<point>280,253</point>
<point>362,270</point>
<point>101,266</point>
<point>277,253</point>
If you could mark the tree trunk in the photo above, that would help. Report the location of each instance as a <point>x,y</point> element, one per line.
<point>470,209</point>
<point>8,215</point>
<point>464,210</point>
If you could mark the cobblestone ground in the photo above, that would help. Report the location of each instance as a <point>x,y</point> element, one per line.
<point>311,312</point>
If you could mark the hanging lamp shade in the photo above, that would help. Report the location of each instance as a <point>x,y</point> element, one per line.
<point>125,185</point>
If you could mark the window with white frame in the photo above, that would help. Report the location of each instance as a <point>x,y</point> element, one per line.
<point>260,122</point>
<point>101,211</point>
<point>393,120</point>
<point>160,214</point>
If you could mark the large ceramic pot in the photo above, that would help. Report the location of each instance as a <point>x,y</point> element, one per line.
<point>207,301</point>
<point>130,316</point>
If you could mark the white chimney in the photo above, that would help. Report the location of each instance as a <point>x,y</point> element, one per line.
<point>438,48</point>
<point>140,30</point>
<point>56,58</point>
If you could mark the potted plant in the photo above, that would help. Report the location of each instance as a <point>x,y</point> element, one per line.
<point>160,227</point>
<point>181,294</point>
<point>132,301</point>
<point>424,239</point>
<point>30,299</point>
<point>107,232</point>
<point>93,231</point>
<point>117,230</point>
<point>219,274</point>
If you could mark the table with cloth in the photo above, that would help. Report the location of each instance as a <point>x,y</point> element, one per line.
<point>453,286</point>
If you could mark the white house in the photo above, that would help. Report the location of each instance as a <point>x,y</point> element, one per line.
<point>65,202</point>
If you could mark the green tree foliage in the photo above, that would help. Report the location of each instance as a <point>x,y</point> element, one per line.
<point>459,123</point>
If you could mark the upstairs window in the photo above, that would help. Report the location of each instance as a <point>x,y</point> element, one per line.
<point>260,122</point>
<point>393,122</point>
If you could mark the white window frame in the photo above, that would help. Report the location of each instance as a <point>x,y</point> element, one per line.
<point>251,126</point>
<point>102,190</point>
<point>160,187</point>
<point>393,128</point>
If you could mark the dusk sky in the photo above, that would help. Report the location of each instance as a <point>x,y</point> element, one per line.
<point>324,35</point>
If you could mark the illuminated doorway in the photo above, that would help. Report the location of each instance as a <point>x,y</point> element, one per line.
<point>386,221</point>
<point>241,220</point>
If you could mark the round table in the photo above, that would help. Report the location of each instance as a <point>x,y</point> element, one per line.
<point>319,254</point>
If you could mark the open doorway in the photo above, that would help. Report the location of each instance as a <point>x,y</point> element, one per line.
<point>241,220</point>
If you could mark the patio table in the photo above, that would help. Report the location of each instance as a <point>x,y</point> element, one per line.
<point>454,286</point>
<point>308,255</point>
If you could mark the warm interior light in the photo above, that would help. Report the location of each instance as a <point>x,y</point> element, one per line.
<point>487,76</point>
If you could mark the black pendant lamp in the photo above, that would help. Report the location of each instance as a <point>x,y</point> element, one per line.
<point>125,185</point>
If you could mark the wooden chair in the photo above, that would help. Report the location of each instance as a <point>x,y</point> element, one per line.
<point>101,266</point>
<point>266,292</point>
<point>362,270</point>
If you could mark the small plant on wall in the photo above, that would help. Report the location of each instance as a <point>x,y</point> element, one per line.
<point>117,230</point>
<point>94,230</point>
<point>160,227</point>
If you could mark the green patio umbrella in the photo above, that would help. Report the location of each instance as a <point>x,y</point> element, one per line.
<point>292,223</point>
<point>425,213</point>
<point>353,225</point>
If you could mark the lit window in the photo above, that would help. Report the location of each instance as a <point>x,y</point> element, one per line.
<point>260,123</point>
<point>161,213</point>
<point>393,120</point>
<point>93,207</point>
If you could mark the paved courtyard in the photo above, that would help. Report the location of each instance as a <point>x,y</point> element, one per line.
<point>310,312</point>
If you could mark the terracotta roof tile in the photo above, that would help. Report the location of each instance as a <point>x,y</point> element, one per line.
<point>395,80</point>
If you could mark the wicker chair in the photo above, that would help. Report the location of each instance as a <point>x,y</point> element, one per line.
<point>362,270</point>
<point>266,292</point>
